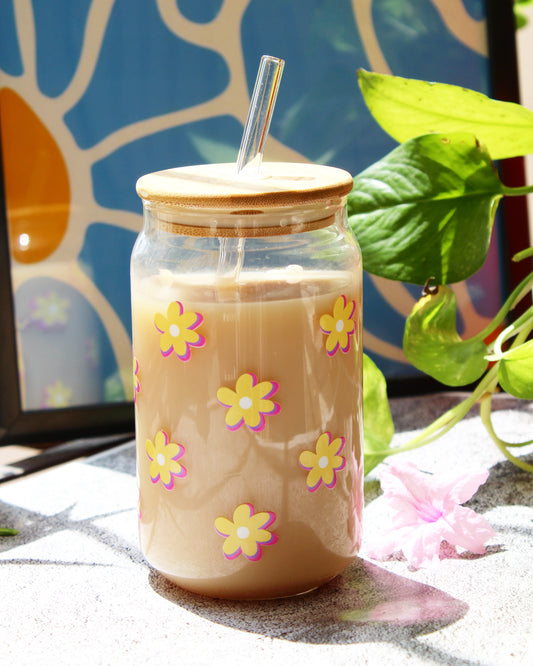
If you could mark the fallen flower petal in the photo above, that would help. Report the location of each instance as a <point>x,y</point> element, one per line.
<point>424,511</point>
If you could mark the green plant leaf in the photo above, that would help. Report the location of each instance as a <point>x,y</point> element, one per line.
<point>432,344</point>
<point>377,419</point>
<point>515,372</point>
<point>406,108</point>
<point>426,209</point>
<point>521,20</point>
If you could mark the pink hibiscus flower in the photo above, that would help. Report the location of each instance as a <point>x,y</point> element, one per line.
<point>424,511</point>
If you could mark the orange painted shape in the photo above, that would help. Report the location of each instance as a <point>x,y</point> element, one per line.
<point>36,181</point>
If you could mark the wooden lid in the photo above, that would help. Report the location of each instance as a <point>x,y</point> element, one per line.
<point>217,186</point>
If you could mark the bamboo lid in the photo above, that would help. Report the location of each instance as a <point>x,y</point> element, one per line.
<point>217,186</point>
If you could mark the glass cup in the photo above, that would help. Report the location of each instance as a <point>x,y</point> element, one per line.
<point>247,342</point>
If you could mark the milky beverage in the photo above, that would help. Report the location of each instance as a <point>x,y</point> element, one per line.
<point>265,495</point>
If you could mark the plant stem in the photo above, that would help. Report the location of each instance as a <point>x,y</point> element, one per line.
<point>523,334</point>
<point>523,323</point>
<point>485,412</point>
<point>514,297</point>
<point>447,421</point>
<point>7,531</point>
<point>523,254</point>
<point>516,191</point>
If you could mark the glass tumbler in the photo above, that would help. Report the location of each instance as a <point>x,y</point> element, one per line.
<point>247,343</point>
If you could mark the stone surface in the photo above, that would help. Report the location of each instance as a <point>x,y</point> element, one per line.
<point>75,588</point>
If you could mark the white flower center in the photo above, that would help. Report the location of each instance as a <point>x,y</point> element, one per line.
<point>339,325</point>
<point>174,330</point>
<point>245,403</point>
<point>243,532</point>
<point>323,462</point>
<point>160,459</point>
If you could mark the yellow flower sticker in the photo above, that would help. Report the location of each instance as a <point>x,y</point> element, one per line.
<point>249,403</point>
<point>164,456</point>
<point>340,327</point>
<point>247,533</point>
<point>324,463</point>
<point>178,332</point>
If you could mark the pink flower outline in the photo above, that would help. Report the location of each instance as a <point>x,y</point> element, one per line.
<point>339,327</point>
<point>164,456</point>
<point>178,332</point>
<point>324,462</point>
<point>255,533</point>
<point>136,382</point>
<point>249,403</point>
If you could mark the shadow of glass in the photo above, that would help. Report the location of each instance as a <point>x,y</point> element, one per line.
<point>365,604</point>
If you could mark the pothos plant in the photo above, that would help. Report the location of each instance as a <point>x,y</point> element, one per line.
<point>424,215</point>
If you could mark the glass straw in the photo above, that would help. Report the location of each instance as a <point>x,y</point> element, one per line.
<point>231,250</point>
<point>260,112</point>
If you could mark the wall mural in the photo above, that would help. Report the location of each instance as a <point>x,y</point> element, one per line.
<point>95,93</point>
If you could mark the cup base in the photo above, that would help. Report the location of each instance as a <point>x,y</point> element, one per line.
<point>226,588</point>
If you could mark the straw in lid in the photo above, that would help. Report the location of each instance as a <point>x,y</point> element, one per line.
<point>250,186</point>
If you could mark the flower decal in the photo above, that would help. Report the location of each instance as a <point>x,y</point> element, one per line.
<point>136,382</point>
<point>339,327</point>
<point>247,533</point>
<point>324,463</point>
<point>50,310</point>
<point>178,332</point>
<point>423,510</point>
<point>249,403</point>
<point>57,395</point>
<point>164,456</point>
